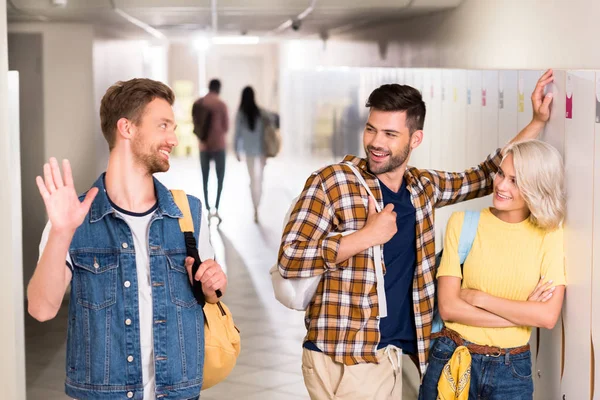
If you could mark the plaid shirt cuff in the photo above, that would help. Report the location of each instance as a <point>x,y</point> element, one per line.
<point>496,157</point>
<point>331,246</point>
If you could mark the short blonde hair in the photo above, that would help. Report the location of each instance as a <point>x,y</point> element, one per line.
<point>540,178</point>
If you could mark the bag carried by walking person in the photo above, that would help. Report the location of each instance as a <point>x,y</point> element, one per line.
<point>202,118</point>
<point>271,137</point>
<point>221,336</point>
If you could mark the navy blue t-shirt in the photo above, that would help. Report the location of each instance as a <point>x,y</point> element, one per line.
<point>400,256</point>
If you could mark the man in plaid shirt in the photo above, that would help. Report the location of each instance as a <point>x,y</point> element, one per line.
<point>349,351</point>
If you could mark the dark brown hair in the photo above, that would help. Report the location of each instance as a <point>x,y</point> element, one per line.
<point>214,85</point>
<point>394,97</point>
<point>128,100</point>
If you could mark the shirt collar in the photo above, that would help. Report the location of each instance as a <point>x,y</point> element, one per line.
<point>102,206</point>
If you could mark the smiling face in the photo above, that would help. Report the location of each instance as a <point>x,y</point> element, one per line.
<point>387,141</point>
<point>507,196</point>
<point>155,137</point>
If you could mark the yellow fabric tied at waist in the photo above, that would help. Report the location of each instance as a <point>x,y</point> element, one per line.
<point>455,379</point>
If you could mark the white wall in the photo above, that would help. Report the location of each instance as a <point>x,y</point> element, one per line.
<point>490,34</point>
<point>68,117</point>
<point>302,54</point>
<point>121,60</point>
<point>184,64</point>
<point>596,235</point>
<point>25,56</point>
<point>12,368</point>
<point>68,95</point>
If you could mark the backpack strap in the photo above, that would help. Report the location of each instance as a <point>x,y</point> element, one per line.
<point>364,183</point>
<point>467,234</point>
<point>186,224</point>
<point>377,256</point>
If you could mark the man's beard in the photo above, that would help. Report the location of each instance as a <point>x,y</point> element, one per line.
<point>152,161</point>
<point>394,161</point>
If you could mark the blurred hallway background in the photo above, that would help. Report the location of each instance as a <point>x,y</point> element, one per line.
<point>313,62</point>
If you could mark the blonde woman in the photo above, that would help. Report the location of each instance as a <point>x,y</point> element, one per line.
<point>512,280</point>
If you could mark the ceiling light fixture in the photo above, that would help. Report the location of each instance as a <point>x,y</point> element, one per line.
<point>201,44</point>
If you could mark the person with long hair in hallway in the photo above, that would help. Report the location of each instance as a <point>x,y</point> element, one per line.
<point>513,279</point>
<point>249,140</point>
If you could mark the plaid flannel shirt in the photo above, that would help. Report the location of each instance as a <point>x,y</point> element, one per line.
<point>342,319</point>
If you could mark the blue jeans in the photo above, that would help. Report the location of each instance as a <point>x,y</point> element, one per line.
<point>492,378</point>
<point>205,158</point>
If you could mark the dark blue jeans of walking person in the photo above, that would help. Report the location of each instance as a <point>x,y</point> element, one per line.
<point>205,159</point>
<point>492,378</point>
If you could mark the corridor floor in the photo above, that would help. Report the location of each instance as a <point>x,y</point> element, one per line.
<point>269,366</point>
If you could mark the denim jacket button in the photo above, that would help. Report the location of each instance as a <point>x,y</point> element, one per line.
<point>127,321</point>
<point>96,265</point>
<point>125,245</point>
<point>127,284</point>
<point>130,358</point>
<point>129,395</point>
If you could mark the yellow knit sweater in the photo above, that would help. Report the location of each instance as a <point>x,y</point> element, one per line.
<point>506,260</point>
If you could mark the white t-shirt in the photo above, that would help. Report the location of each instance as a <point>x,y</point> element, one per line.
<point>139,225</point>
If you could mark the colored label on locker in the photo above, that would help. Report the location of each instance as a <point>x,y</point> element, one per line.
<point>521,95</point>
<point>455,94</point>
<point>443,94</point>
<point>431,91</point>
<point>598,100</point>
<point>469,97</point>
<point>483,97</point>
<point>569,113</point>
<point>569,102</point>
<point>521,103</point>
<point>501,100</point>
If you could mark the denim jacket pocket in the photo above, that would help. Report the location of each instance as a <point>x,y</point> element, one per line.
<point>179,281</point>
<point>95,275</point>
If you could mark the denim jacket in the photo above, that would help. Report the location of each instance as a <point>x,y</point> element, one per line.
<point>103,342</point>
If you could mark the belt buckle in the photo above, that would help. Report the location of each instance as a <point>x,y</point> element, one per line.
<point>497,353</point>
<point>492,351</point>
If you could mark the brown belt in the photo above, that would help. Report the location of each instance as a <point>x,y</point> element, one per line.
<point>478,349</point>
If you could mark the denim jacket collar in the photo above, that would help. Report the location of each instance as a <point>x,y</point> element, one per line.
<point>102,207</point>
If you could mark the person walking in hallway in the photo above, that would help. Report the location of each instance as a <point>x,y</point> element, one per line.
<point>135,329</point>
<point>249,141</point>
<point>211,123</point>
<point>360,324</point>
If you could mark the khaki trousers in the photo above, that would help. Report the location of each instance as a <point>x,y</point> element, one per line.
<point>327,379</point>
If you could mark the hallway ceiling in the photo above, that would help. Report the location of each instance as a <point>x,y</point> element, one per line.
<point>256,17</point>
